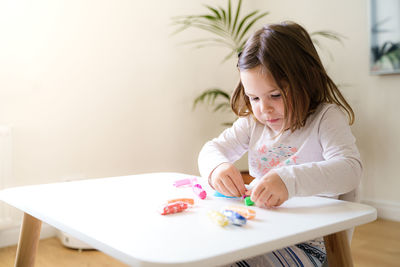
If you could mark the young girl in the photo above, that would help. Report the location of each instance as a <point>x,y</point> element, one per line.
<point>293,124</point>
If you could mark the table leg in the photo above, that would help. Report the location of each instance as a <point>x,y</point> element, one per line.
<point>338,250</point>
<point>28,241</point>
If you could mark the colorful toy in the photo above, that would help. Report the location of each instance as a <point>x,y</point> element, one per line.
<point>199,191</point>
<point>174,207</point>
<point>189,201</point>
<point>218,194</point>
<point>245,212</point>
<point>234,217</point>
<point>218,218</point>
<point>185,182</point>
<point>248,202</point>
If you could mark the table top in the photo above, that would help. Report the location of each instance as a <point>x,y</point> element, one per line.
<point>119,216</point>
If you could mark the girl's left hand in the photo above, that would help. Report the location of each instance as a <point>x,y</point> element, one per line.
<point>270,192</point>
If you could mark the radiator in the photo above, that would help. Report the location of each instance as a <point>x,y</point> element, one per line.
<point>6,219</point>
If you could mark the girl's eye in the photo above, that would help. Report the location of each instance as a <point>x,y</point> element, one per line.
<point>253,98</point>
<point>276,96</point>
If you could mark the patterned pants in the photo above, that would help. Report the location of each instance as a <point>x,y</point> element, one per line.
<point>311,253</point>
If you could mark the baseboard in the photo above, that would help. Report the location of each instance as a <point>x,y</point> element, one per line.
<point>9,236</point>
<point>388,210</point>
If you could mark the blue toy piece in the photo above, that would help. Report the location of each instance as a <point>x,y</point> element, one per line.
<point>218,194</point>
<point>234,217</point>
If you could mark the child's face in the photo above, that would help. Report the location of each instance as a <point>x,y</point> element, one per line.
<point>265,97</point>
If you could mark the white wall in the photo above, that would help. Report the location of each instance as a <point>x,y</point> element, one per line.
<point>375,99</point>
<point>100,88</point>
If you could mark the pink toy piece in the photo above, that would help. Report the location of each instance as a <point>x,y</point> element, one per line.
<point>199,191</point>
<point>183,182</point>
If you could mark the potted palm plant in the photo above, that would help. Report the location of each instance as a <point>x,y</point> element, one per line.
<point>228,29</point>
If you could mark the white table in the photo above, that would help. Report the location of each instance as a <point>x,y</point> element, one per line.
<point>119,217</point>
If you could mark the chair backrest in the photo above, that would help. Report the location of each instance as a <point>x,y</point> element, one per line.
<point>352,196</point>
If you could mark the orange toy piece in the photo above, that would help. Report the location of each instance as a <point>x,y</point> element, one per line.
<point>189,201</point>
<point>245,212</point>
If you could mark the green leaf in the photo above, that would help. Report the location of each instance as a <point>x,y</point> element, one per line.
<point>242,22</point>
<point>229,56</point>
<point>211,41</point>
<point>211,28</point>
<point>241,46</point>
<point>236,16</point>
<point>223,15</point>
<point>209,96</point>
<point>328,34</point>
<point>229,14</point>
<point>218,16</point>
<point>251,24</point>
<point>184,27</point>
<point>210,44</point>
<point>222,107</point>
<point>224,22</point>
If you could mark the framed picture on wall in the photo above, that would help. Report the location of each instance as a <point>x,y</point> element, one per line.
<point>384,36</point>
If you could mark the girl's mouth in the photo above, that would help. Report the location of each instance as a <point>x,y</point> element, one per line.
<point>272,121</point>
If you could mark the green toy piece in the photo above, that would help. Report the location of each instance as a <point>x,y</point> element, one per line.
<point>248,202</point>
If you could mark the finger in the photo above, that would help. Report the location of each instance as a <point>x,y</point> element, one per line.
<point>257,190</point>
<point>220,187</point>
<point>263,198</point>
<point>237,179</point>
<point>272,201</point>
<point>239,186</point>
<point>254,194</point>
<point>280,202</point>
<point>231,187</point>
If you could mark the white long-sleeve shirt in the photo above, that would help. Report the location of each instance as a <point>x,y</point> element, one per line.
<point>320,158</point>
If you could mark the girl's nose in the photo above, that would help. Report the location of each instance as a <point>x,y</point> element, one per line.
<point>266,107</point>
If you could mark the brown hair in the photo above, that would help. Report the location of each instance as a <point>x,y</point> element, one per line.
<point>287,52</point>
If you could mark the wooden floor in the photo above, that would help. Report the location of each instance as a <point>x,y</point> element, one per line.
<point>374,244</point>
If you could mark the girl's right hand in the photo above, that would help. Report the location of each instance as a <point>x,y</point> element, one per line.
<point>227,180</point>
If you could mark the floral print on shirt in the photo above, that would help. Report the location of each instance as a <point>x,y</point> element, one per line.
<point>266,158</point>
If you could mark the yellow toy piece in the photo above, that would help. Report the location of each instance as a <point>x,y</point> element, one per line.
<point>218,218</point>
